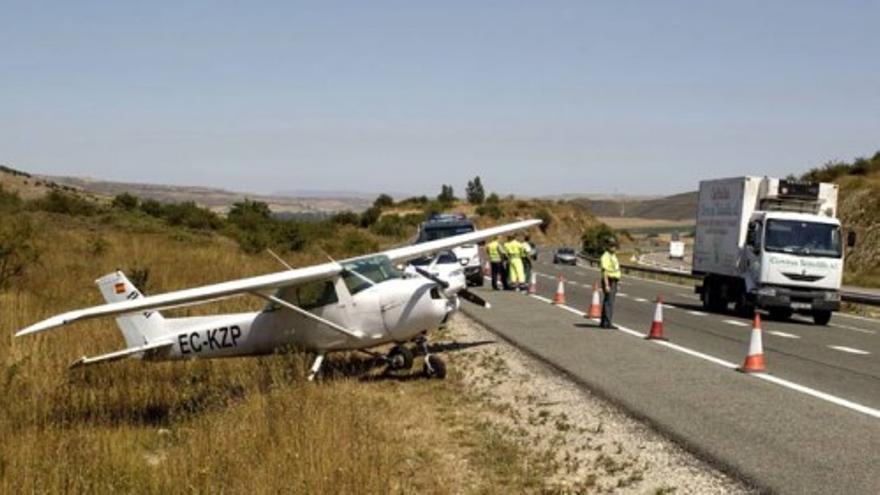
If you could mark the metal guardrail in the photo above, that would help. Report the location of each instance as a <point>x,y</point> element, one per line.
<point>845,295</point>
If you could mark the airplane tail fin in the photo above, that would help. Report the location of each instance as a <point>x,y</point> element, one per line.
<point>138,329</point>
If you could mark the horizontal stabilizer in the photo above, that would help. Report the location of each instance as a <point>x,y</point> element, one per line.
<point>113,356</point>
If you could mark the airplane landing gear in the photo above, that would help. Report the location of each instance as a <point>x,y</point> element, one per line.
<point>400,358</point>
<point>434,366</point>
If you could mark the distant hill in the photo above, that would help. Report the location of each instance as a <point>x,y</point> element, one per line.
<point>219,200</point>
<point>676,207</point>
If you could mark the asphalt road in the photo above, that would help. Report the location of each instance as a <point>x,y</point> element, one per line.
<point>811,425</point>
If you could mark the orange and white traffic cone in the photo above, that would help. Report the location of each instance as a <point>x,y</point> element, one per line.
<point>754,362</point>
<point>559,298</point>
<point>533,284</point>
<point>595,310</point>
<point>656,332</point>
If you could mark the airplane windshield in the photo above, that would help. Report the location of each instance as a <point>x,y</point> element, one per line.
<point>803,238</point>
<point>374,268</point>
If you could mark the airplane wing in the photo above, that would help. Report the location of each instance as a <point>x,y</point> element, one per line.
<point>409,252</point>
<point>191,296</point>
<point>260,283</point>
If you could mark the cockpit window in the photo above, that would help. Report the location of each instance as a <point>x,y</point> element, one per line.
<point>374,268</point>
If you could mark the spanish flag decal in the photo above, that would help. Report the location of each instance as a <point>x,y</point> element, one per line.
<point>119,288</point>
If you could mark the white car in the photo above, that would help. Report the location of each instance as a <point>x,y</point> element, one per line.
<point>445,266</point>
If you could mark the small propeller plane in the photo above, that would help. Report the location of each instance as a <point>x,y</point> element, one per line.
<point>354,304</point>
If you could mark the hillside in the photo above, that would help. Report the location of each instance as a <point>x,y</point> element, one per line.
<point>859,210</point>
<point>674,208</point>
<point>217,200</point>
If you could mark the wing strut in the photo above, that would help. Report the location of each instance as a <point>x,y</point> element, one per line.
<point>281,302</point>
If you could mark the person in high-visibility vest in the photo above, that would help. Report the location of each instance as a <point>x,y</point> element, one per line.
<point>529,254</point>
<point>496,253</point>
<point>514,251</point>
<point>610,280</point>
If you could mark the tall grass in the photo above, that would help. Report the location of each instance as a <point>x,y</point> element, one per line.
<point>233,425</point>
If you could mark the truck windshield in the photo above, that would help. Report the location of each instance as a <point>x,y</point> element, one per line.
<point>432,233</point>
<point>803,238</point>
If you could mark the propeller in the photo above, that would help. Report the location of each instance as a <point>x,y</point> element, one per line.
<point>473,298</point>
<point>430,276</point>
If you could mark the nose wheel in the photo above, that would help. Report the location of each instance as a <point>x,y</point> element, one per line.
<point>400,358</point>
<point>434,366</point>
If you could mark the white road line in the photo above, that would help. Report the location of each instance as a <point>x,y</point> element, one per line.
<point>623,294</point>
<point>735,322</point>
<point>850,350</point>
<point>572,310</point>
<point>855,329</point>
<point>640,299</point>
<point>669,306</point>
<point>783,334</point>
<point>820,395</point>
<point>541,298</point>
<point>698,313</point>
<point>858,317</point>
<point>689,296</point>
<point>763,376</point>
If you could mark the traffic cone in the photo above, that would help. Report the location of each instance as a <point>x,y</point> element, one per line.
<point>533,284</point>
<point>656,332</point>
<point>595,306</point>
<point>559,298</point>
<point>754,362</point>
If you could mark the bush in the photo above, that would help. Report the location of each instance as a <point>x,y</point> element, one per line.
<point>65,203</point>
<point>595,239</point>
<point>9,200</point>
<point>346,218</point>
<point>390,226</point>
<point>370,216</point>
<point>383,201</point>
<point>125,201</point>
<point>491,210</point>
<point>17,249</point>
<point>188,214</point>
<point>546,219</point>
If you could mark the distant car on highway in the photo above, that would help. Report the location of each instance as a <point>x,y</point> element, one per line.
<point>565,256</point>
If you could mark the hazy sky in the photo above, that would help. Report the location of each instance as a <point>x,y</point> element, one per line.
<point>537,97</point>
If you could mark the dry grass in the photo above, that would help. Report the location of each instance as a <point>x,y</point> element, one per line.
<point>236,425</point>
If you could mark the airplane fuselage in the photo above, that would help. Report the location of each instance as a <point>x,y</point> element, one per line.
<point>395,310</point>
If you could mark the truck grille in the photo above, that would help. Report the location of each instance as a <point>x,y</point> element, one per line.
<point>803,278</point>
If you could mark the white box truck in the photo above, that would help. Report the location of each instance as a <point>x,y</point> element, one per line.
<point>676,247</point>
<point>769,243</point>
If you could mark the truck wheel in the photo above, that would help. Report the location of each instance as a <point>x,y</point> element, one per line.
<point>821,318</point>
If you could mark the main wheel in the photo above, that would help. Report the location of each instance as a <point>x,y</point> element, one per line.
<point>435,367</point>
<point>400,358</point>
<point>821,318</point>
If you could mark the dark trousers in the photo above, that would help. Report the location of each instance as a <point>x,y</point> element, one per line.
<point>498,271</point>
<point>608,302</point>
<point>527,268</point>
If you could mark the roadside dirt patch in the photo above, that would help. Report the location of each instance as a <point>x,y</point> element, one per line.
<point>583,442</point>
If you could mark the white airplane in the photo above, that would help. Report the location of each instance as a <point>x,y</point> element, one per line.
<point>354,304</point>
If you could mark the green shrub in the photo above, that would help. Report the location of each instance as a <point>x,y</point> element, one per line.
<point>125,201</point>
<point>346,218</point>
<point>546,219</point>
<point>491,210</point>
<point>17,249</point>
<point>9,200</point>
<point>65,203</point>
<point>595,239</point>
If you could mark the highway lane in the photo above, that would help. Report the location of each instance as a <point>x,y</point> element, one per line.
<point>795,350</point>
<point>781,439</point>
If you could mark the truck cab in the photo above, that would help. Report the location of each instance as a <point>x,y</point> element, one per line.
<point>441,226</point>
<point>793,262</point>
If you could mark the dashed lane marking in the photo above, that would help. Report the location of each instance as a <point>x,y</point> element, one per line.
<point>640,299</point>
<point>762,376</point>
<point>854,329</point>
<point>623,294</point>
<point>698,313</point>
<point>689,296</point>
<point>850,350</point>
<point>735,322</point>
<point>783,334</point>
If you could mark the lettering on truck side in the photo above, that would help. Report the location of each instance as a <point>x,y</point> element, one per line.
<point>209,340</point>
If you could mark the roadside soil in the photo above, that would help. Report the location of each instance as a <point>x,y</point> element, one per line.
<point>575,440</point>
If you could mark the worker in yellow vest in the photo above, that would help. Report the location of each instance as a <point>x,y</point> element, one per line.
<point>515,253</point>
<point>495,252</point>
<point>610,279</point>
